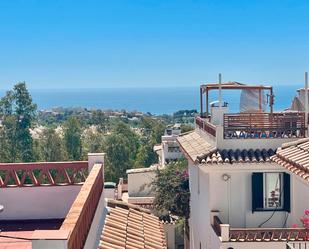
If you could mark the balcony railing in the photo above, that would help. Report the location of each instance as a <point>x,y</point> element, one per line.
<point>297,245</point>
<point>293,236</point>
<point>268,234</point>
<point>42,174</point>
<point>206,126</point>
<point>264,125</point>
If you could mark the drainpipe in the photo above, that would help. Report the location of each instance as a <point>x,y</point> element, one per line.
<point>306,102</point>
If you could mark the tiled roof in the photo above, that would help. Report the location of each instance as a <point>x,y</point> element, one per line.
<point>199,151</point>
<point>195,146</point>
<point>238,156</point>
<point>130,227</point>
<point>294,156</point>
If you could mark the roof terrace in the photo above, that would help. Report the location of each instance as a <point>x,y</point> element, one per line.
<point>256,119</point>
<point>51,205</point>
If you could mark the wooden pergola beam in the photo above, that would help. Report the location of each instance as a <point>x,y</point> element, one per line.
<point>233,86</point>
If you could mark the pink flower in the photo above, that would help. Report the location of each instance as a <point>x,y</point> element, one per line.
<point>307,212</point>
<point>294,226</point>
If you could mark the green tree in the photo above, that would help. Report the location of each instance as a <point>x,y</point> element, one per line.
<point>72,138</point>
<point>92,141</point>
<point>186,128</point>
<point>121,149</point>
<point>100,120</point>
<point>52,147</point>
<point>145,156</point>
<point>18,113</point>
<point>117,157</point>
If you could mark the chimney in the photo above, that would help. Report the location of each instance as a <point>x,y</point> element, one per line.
<point>94,158</point>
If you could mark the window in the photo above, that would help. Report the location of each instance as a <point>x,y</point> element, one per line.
<point>270,191</point>
<point>173,149</point>
<point>273,192</point>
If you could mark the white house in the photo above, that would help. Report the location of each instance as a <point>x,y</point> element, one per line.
<point>245,192</point>
<point>169,149</point>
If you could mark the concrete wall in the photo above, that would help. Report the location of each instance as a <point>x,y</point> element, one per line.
<point>49,244</point>
<point>170,141</point>
<point>199,218</point>
<point>299,198</point>
<point>233,200</point>
<point>140,184</point>
<point>37,202</point>
<point>249,143</point>
<point>170,236</point>
<point>110,193</point>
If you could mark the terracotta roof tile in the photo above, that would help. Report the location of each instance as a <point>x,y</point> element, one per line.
<point>294,156</point>
<point>129,226</point>
<point>237,156</point>
<point>195,146</point>
<point>200,151</point>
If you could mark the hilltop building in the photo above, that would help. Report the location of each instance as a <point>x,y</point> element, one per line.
<point>168,150</point>
<point>249,177</point>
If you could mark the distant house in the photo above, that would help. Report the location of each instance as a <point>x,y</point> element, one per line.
<point>169,150</point>
<point>247,189</point>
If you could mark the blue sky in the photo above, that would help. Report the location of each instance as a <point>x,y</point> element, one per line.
<point>63,43</point>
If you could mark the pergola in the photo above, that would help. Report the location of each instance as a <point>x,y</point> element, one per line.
<point>204,89</point>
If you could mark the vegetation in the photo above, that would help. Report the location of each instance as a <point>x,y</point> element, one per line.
<point>17,114</point>
<point>60,134</point>
<point>172,190</point>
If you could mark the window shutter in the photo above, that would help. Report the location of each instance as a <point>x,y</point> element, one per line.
<point>257,191</point>
<point>287,192</point>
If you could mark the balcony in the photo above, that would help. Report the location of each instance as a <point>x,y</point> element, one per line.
<point>205,125</point>
<point>294,236</point>
<point>264,125</point>
<point>256,125</point>
<point>51,204</point>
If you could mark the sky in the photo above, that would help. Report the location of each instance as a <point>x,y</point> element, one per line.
<point>143,43</point>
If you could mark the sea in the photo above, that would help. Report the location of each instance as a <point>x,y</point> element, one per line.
<point>155,100</point>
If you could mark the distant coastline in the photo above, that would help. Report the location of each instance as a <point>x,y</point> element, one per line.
<point>156,100</point>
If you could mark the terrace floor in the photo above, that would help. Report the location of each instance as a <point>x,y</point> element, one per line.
<point>22,230</point>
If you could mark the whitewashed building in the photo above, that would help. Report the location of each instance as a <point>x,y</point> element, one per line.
<point>247,189</point>
<point>169,150</point>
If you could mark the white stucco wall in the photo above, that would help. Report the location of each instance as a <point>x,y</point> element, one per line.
<point>248,143</point>
<point>299,198</point>
<point>199,218</point>
<point>140,184</point>
<point>110,193</point>
<point>37,202</point>
<point>233,200</point>
<point>49,244</point>
<point>221,143</point>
